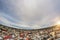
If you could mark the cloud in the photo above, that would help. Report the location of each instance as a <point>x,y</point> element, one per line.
<point>33,13</point>
<point>5,21</point>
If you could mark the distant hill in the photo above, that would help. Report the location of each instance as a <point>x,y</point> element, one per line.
<point>3,26</point>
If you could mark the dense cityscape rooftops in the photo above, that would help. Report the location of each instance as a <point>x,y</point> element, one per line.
<point>35,34</point>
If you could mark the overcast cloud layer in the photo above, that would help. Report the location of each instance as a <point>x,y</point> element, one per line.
<point>29,14</point>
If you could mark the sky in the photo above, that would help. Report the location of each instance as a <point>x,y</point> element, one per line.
<point>29,14</point>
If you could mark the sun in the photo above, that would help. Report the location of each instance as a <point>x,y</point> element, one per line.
<point>58,23</point>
